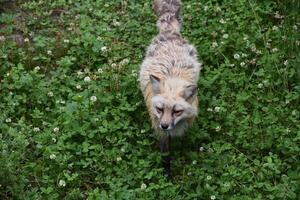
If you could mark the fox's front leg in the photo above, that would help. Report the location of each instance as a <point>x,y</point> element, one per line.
<point>164,144</point>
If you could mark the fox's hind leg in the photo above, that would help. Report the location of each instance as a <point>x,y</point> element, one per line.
<point>164,144</point>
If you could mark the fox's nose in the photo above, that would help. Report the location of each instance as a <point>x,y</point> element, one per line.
<point>164,126</point>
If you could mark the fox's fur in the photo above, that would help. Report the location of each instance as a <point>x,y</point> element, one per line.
<point>168,77</point>
<point>170,69</point>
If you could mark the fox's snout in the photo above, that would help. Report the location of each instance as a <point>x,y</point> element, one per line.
<point>166,119</point>
<point>166,126</point>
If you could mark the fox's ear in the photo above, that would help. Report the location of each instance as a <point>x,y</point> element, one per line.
<point>155,81</point>
<point>189,91</point>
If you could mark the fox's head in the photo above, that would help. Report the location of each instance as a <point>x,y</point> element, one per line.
<point>171,103</point>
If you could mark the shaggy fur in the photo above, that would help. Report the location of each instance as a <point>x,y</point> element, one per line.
<point>173,63</point>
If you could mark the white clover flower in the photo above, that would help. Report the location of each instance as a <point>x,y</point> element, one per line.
<point>11,93</point>
<point>274,50</point>
<point>26,40</point>
<point>2,38</point>
<point>288,130</point>
<point>56,129</point>
<point>36,129</point>
<point>214,34</point>
<point>189,173</point>
<point>205,8</point>
<point>54,139</point>
<point>69,28</point>
<point>123,150</point>
<point>66,41</point>
<point>298,42</point>
<point>143,186</point>
<point>214,44</point>
<point>119,159</point>
<point>194,162</point>
<point>93,98</point>
<point>244,55</point>
<point>8,120</point>
<point>209,109</point>
<point>275,28</point>
<point>258,52</point>
<point>242,64</point>
<point>49,52</point>
<point>143,131</point>
<point>236,56</point>
<point>104,48</point>
<point>218,128</point>
<point>212,197</point>
<point>116,23</point>
<point>277,15</point>
<point>113,65</point>
<point>62,183</point>
<point>201,149</point>
<point>52,156</point>
<point>99,38</point>
<point>253,48</point>
<point>218,9</point>
<point>100,70</point>
<point>124,62</point>
<point>37,68</point>
<point>217,109</point>
<point>79,73</point>
<point>231,65</point>
<point>225,36</point>
<point>222,21</point>
<point>208,178</point>
<point>253,61</point>
<point>295,27</point>
<point>87,79</point>
<point>286,62</point>
<point>260,85</point>
<point>78,87</point>
<point>50,94</point>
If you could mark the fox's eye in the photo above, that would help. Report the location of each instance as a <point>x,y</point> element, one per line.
<point>159,110</point>
<point>178,112</point>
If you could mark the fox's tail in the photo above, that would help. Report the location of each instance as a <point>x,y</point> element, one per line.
<point>168,15</point>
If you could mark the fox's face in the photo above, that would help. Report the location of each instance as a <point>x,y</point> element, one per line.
<point>170,103</point>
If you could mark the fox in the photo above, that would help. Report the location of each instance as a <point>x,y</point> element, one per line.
<point>168,78</point>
